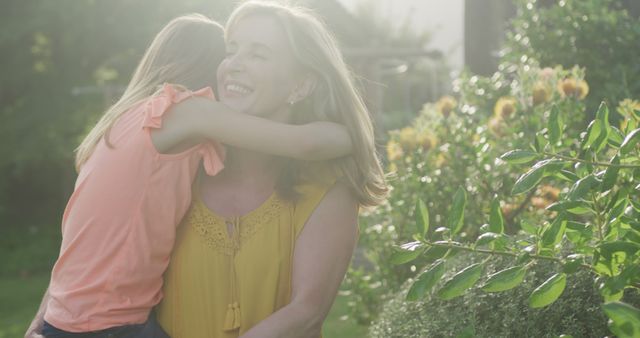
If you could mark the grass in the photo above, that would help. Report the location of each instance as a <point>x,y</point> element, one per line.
<point>20,298</point>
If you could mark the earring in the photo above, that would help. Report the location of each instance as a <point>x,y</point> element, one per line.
<point>292,102</point>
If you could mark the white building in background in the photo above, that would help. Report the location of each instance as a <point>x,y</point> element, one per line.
<point>444,19</point>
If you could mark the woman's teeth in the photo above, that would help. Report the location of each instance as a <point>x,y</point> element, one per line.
<point>234,88</point>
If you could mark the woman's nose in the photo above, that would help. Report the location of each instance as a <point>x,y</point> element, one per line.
<point>236,62</point>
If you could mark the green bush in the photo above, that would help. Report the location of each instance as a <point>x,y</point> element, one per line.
<point>456,144</point>
<point>506,314</point>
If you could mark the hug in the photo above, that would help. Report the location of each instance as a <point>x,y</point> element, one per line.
<point>219,196</point>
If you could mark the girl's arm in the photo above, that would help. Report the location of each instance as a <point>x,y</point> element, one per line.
<point>35,329</point>
<point>197,118</point>
<point>321,257</point>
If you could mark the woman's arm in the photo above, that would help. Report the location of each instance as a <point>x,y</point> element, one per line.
<point>197,118</point>
<point>321,258</point>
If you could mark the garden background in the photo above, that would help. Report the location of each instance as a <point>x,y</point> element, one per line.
<point>524,162</point>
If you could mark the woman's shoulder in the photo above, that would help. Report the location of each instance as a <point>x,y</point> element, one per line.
<point>313,186</point>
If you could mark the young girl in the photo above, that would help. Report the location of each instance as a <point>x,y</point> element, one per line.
<point>136,168</point>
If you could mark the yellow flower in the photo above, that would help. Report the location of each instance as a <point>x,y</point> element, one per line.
<point>427,141</point>
<point>629,108</point>
<point>394,151</point>
<point>442,160</point>
<point>570,87</point>
<point>408,138</point>
<point>548,192</point>
<point>446,105</point>
<point>540,93</point>
<point>540,203</point>
<point>505,107</point>
<point>583,89</point>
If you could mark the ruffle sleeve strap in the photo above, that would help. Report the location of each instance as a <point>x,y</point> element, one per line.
<point>213,154</point>
<point>159,104</point>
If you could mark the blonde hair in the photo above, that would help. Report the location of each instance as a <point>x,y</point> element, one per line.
<point>186,52</point>
<point>334,98</point>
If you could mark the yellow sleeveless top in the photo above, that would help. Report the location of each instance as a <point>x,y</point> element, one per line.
<point>219,286</point>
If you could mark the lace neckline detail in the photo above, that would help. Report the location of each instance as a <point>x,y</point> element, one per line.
<point>212,227</point>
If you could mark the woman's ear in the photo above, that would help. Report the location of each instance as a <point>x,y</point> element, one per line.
<point>304,89</point>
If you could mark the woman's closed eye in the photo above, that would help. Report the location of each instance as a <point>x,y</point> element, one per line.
<point>258,56</point>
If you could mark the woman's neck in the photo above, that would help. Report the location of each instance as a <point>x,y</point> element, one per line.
<point>248,167</point>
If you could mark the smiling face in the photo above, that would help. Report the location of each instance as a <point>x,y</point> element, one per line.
<point>258,75</point>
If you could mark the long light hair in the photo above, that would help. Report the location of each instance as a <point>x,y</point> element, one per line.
<point>334,98</point>
<point>186,52</point>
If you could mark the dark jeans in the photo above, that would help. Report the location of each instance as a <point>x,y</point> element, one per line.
<point>149,329</point>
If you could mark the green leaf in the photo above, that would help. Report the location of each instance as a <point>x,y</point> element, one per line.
<point>573,207</point>
<point>528,227</point>
<point>553,234</point>
<point>519,156</point>
<point>577,226</point>
<point>422,218</point>
<point>618,208</point>
<point>456,213</point>
<point>496,221</point>
<point>573,263</point>
<point>603,117</point>
<point>630,141</point>
<point>505,280</point>
<point>487,238</point>
<point>624,319</point>
<point>609,248</point>
<point>567,176</point>
<point>610,175</point>
<point>528,180</point>
<point>434,253</point>
<point>616,137</point>
<point>593,132</point>
<point>553,166</point>
<point>426,281</point>
<point>407,252</point>
<point>548,291</point>
<point>582,187</point>
<point>540,142</point>
<point>578,232</point>
<point>554,126</point>
<point>532,177</point>
<point>612,289</point>
<point>617,198</point>
<point>460,282</point>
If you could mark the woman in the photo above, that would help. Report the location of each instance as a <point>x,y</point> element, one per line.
<point>266,243</point>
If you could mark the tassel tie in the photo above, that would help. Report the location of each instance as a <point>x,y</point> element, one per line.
<point>232,318</point>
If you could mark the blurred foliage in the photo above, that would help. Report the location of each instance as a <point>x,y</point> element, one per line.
<point>596,34</point>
